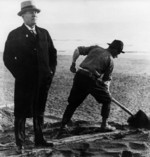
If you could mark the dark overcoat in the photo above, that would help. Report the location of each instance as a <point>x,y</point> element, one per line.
<point>32,61</point>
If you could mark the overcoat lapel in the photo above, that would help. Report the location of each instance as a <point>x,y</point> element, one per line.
<point>40,34</point>
<point>28,35</point>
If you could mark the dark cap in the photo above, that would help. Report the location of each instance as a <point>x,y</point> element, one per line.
<point>117,44</point>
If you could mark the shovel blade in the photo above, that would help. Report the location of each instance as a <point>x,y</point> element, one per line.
<point>139,120</point>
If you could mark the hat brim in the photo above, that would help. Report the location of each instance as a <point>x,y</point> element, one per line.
<point>121,51</point>
<point>28,9</point>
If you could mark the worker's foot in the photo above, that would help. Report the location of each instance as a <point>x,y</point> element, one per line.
<point>61,131</point>
<point>107,127</point>
<point>20,149</point>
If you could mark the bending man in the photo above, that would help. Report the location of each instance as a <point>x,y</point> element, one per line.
<point>93,77</point>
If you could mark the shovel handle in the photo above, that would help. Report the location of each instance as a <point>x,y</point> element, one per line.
<point>122,106</point>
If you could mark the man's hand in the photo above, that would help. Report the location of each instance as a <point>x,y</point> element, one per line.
<point>51,73</point>
<point>73,68</point>
<point>99,82</point>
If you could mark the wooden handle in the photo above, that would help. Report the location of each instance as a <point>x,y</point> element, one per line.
<point>122,106</point>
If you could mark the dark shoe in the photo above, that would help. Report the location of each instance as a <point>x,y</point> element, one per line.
<point>20,149</point>
<point>43,144</point>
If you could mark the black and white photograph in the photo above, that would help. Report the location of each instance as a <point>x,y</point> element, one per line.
<point>75,78</point>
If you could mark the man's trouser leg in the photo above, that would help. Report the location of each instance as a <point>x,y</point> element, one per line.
<point>37,130</point>
<point>105,113</point>
<point>20,130</point>
<point>79,91</point>
<point>102,95</point>
<point>43,94</point>
<point>68,114</point>
<point>39,138</point>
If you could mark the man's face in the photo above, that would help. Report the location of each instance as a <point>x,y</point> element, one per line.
<point>29,18</point>
<point>115,53</point>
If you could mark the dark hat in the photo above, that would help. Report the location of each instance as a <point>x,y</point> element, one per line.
<point>118,45</point>
<point>28,6</point>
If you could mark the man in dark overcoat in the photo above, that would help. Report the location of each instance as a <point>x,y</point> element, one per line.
<point>31,57</point>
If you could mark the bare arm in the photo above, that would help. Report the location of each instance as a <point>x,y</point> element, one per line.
<point>75,56</point>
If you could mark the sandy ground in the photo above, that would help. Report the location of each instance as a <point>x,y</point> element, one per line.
<point>130,86</point>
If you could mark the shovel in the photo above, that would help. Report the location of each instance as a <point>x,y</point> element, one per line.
<point>139,120</point>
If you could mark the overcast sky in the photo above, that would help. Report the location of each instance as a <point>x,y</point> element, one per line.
<point>128,20</point>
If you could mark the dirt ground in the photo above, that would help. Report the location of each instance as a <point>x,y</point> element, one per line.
<point>130,86</point>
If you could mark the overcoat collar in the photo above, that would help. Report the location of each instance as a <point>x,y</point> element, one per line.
<point>28,34</point>
<point>31,29</point>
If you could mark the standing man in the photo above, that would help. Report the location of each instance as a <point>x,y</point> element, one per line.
<point>31,58</point>
<point>93,77</point>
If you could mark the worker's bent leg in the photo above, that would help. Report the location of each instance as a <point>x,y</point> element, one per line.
<point>105,113</point>
<point>68,114</point>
